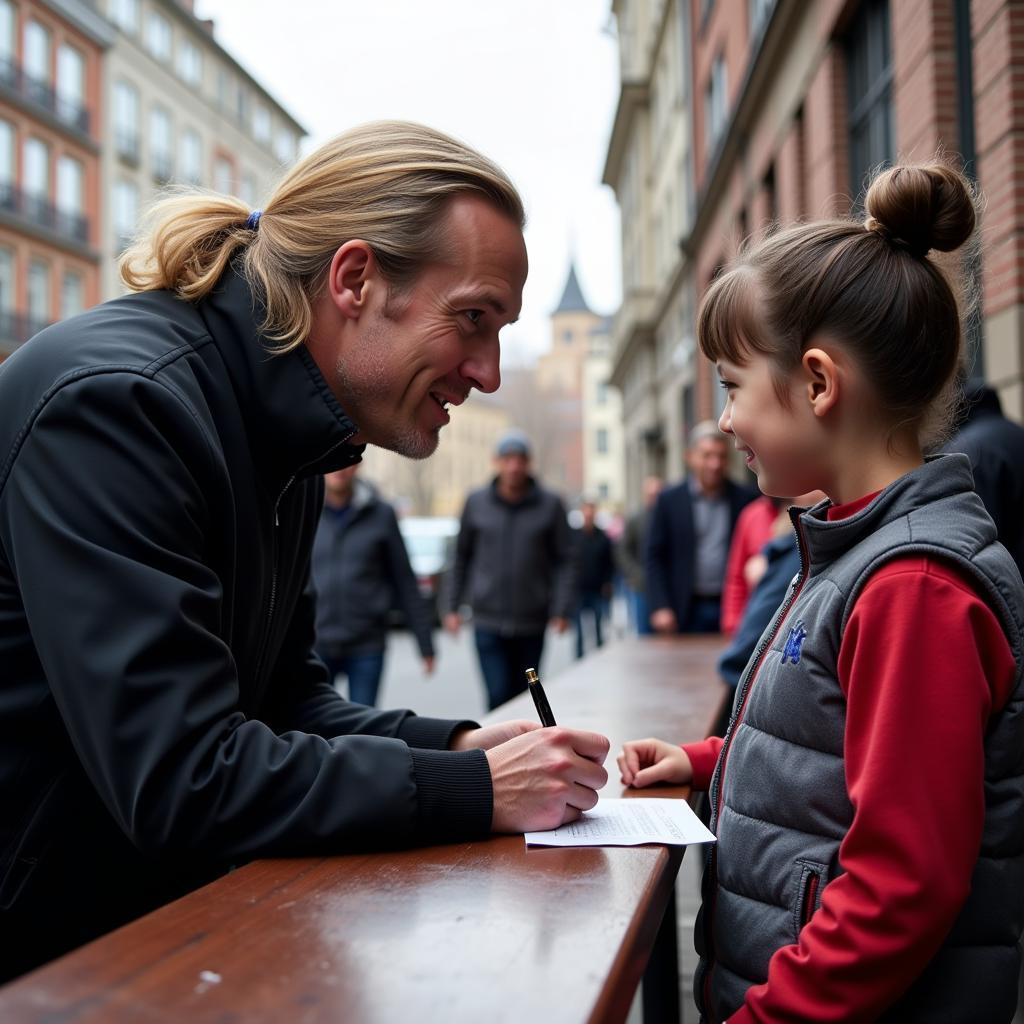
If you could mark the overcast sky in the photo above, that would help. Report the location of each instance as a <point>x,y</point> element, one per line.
<point>531,83</point>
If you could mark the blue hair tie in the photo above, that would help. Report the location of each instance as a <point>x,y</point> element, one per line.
<point>253,220</point>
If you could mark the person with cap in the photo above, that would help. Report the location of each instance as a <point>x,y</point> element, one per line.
<point>515,567</point>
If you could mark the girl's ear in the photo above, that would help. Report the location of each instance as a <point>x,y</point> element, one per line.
<point>823,377</point>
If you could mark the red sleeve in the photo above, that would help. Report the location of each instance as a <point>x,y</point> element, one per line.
<point>703,756</point>
<point>753,530</point>
<point>923,663</point>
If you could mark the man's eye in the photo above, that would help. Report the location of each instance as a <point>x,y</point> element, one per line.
<point>474,315</point>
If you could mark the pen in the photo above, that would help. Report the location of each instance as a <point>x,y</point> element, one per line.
<point>539,697</point>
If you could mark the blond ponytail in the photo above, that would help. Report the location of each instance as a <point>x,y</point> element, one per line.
<point>388,183</point>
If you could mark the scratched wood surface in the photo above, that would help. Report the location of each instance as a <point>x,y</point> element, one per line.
<point>482,930</point>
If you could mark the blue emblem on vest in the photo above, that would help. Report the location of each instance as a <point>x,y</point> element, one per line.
<point>795,643</point>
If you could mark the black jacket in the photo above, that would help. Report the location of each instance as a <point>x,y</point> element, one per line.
<point>595,560</point>
<point>514,562</point>
<point>361,570</point>
<point>672,545</point>
<point>161,713</point>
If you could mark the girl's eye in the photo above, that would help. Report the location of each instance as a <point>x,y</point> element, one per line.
<point>727,384</point>
<point>474,315</point>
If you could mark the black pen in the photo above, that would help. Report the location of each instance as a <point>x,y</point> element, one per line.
<point>539,698</point>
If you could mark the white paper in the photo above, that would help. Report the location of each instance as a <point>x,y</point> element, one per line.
<point>629,823</point>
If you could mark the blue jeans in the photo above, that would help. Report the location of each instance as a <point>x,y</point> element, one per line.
<point>639,611</point>
<point>504,661</point>
<point>363,671</point>
<point>596,606</point>
<point>704,616</point>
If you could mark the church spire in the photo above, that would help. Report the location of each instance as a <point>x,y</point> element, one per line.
<point>572,298</point>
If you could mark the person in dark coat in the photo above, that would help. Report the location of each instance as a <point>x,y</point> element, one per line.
<point>688,541</point>
<point>163,715</point>
<point>596,567</point>
<point>631,556</point>
<point>361,570</point>
<point>995,446</point>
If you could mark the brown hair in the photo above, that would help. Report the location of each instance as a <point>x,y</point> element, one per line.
<point>387,182</point>
<point>870,286</point>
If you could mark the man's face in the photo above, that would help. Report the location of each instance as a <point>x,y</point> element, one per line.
<point>513,470</point>
<point>339,484</point>
<point>588,510</point>
<point>706,460</point>
<point>412,355</point>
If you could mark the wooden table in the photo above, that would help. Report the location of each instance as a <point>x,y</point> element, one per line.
<point>483,931</point>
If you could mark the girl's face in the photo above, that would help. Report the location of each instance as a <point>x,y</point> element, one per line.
<point>782,441</point>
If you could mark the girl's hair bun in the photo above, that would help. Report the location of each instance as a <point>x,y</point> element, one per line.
<point>922,207</point>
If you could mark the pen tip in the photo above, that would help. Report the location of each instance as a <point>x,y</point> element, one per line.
<point>531,675</point>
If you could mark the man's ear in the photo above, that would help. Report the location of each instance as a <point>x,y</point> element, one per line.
<point>352,267</point>
<point>823,377</point>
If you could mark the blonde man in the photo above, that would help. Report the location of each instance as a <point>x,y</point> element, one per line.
<point>162,715</point>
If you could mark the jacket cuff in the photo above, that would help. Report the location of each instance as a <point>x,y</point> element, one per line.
<point>454,794</point>
<point>431,733</point>
<point>703,756</point>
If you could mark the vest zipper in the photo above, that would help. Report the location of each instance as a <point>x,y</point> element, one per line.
<point>810,895</point>
<point>717,780</point>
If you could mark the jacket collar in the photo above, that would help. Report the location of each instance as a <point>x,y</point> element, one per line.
<point>941,477</point>
<point>296,427</point>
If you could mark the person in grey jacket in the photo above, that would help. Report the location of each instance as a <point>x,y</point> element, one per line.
<point>361,570</point>
<point>163,715</point>
<point>514,565</point>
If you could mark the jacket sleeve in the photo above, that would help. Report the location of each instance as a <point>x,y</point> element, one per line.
<point>658,555</point>
<point>627,556</point>
<point>566,559</point>
<point>108,511</point>
<point>416,610</point>
<point>464,546</point>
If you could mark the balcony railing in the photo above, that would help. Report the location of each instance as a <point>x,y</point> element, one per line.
<point>39,210</point>
<point>42,94</point>
<point>17,328</point>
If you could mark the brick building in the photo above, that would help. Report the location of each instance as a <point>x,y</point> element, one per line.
<point>791,105</point>
<point>51,57</point>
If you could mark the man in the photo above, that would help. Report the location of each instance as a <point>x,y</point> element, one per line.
<point>596,569</point>
<point>162,714</point>
<point>631,554</point>
<point>995,446</point>
<point>514,566</point>
<point>688,543</point>
<point>361,570</point>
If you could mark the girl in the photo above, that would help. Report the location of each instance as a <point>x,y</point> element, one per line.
<point>868,796</point>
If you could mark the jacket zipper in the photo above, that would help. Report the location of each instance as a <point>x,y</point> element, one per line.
<point>717,782</point>
<point>265,640</point>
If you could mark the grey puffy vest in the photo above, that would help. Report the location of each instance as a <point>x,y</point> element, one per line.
<point>780,807</point>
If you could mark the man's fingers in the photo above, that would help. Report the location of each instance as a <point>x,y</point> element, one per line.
<point>582,797</point>
<point>570,814</point>
<point>591,745</point>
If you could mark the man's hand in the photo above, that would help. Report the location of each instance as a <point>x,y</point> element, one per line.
<point>559,624</point>
<point>452,622</point>
<point>644,762</point>
<point>545,778</point>
<point>663,620</point>
<point>491,735</point>
<point>428,665</point>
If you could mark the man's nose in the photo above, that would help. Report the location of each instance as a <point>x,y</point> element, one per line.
<point>483,369</point>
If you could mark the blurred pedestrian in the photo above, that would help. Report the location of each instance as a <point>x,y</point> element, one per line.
<point>361,570</point>
<point>688,542</point>
<point>596,569</point>
<point>631,555</point>
<point>514,567</point>
<point>995,446</point>
<point>754,528</point>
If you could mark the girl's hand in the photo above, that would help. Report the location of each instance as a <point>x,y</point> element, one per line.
<point>644,762</point>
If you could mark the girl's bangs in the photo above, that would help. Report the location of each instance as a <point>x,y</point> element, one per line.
<point>727,324</point>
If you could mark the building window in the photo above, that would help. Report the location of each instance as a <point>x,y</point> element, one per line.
<point>869,60</point>
<point>38,295</point>
<point>567,336</point>
<point>6,281</point>
<point>37,52</point>
<point>284,146</point>
<point>158,36</point>
<point>191,157</point>
<point>261,127</point>
<point>602,491</point>
<point>602,392</point>
<point>7,22</point>
<point>124,14</point>
<point>70,185</point>
<point>247,189</point>
<point>161,151</point>
<point>223,176</point>
<point>36,170</point>
<point>715,105</point>
<point>72,294</point>
<point>602,440</point>
<point>126,120</point>
<point>190,62</point>
<point>6,158</point>
<point>71,87</point>
<point>126,211</point>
